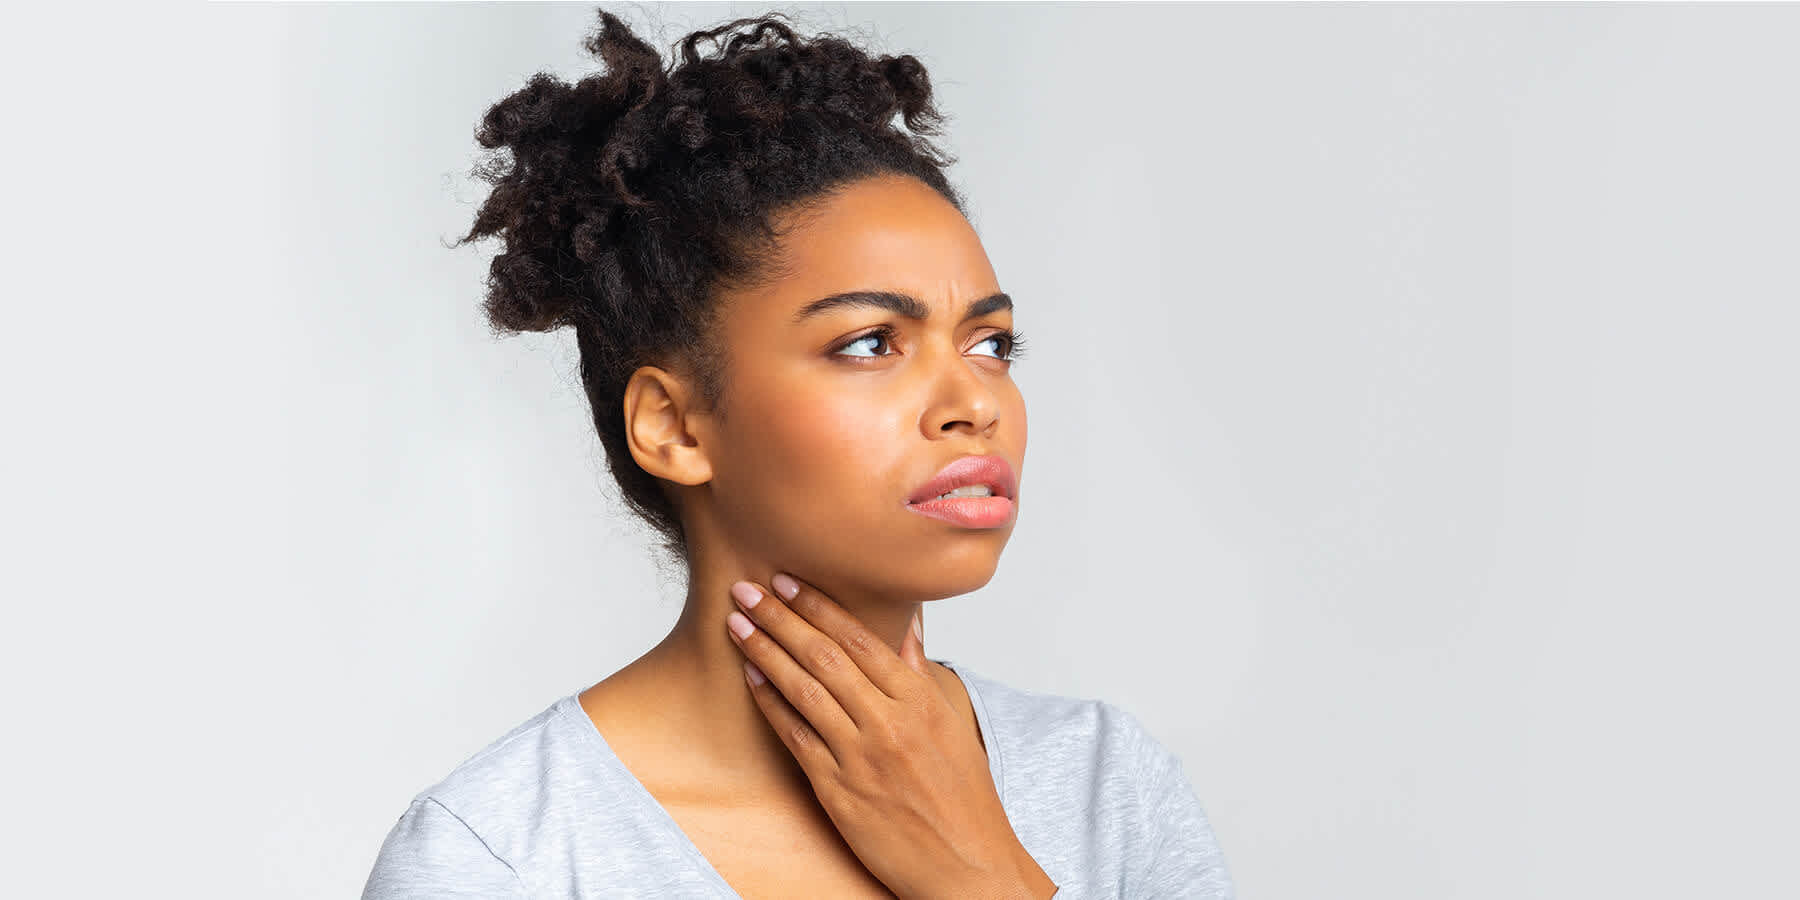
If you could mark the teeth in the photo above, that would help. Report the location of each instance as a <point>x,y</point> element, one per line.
<point>973,490</point>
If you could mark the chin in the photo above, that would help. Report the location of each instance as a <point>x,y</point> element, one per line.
<point>955,568</point>
<point>942,561</point>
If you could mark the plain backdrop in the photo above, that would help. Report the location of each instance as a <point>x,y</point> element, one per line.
<point>1412,396</point>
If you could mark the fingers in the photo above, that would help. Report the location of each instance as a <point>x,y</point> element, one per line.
<point>809,748</point>
<point>762,629</point>
<point>817,655</point>
<point>886,670</point>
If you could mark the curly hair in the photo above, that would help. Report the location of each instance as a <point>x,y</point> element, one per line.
<point>629,200</point>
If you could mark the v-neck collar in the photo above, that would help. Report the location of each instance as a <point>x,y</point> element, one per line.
<point>570,707</point>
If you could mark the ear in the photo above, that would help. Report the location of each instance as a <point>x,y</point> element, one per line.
<point>660,427</point>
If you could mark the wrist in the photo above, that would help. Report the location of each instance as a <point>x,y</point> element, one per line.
<point>1020,878</point>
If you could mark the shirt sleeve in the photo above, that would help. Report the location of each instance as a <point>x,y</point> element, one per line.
<point>1185,860</point>
<point>431,852</point>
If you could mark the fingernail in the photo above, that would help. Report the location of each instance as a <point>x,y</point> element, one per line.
<point>740,625</point>
<point>919,627</point>
<point>746,594</point>
<point>755,674</point>
<point>785,585</point>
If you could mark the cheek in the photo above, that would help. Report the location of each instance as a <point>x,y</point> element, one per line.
<point>816,465</point>
<point>853,435</point>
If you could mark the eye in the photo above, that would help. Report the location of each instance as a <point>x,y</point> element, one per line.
<point>884,334</point>
<point>1011,345</point>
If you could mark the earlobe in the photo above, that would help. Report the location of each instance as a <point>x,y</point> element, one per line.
<point>657,428</point>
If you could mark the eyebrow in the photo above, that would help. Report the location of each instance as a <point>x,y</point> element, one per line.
<point>903,304</point>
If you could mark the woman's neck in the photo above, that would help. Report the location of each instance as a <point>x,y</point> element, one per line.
<point>684,711</point>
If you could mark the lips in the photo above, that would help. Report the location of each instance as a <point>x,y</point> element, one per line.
<point>988,469</point>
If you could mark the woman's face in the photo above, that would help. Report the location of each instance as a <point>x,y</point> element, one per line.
<point>830,427</point>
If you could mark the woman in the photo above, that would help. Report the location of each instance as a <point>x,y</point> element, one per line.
<point>793,343</point>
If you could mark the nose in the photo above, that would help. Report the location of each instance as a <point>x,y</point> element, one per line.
<point>962,398</point>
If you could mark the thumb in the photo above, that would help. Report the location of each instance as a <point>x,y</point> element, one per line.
<point>912,647</point>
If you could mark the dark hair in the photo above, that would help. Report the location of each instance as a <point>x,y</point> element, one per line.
<point>631,197</point>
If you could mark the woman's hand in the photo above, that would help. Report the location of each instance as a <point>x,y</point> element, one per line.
<point>902,776</point>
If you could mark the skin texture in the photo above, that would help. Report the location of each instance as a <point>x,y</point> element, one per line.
<point>807,472</point>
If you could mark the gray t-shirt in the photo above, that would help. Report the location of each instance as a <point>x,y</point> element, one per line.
<point>549,811</point>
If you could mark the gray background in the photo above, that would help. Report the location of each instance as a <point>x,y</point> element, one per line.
<point>1413,431</point>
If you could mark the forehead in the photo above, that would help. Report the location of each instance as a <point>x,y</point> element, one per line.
<point>888,233</point>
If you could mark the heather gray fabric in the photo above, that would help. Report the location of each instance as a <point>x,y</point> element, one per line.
<point>549,811</point>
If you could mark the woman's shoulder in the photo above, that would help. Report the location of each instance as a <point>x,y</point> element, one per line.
<point>1046,721</point>
<point>1087,783</point>
<point>518,778</point>
<point>520,754</point>
<point>540,808</point>
<point>461,832</point>
<point>1059,746</point>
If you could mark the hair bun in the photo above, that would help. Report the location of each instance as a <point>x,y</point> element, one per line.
<point>558,176</point>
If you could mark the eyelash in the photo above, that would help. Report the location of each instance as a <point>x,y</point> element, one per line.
<point>1012,343</point>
